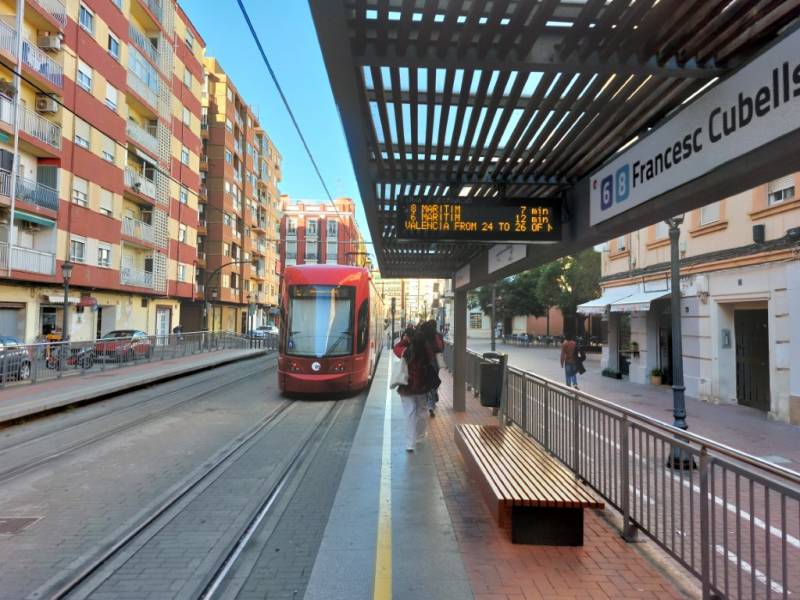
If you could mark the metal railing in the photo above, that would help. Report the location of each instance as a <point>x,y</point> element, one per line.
<point>144,136</point>
<point>28,259</point>
<point>55,8</point>
<point>34,363</point>
<point>731,519</point>
<point>138,229</point>
<point>144,91</point>
<point>32,191</point>
<point>155,8</point>
<point>143,43</point>
<point>139,183</point>
<point>39,127</point>
<point>39,61</point>
<point>129,276</point>
<point>8,38</point>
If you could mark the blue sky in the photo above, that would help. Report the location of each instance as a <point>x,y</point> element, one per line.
<point>287,33</point>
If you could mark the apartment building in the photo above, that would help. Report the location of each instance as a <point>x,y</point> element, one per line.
<point>318,232</point>
<point>740,306</point>
<point>99,160</point>
<point>240,169</point>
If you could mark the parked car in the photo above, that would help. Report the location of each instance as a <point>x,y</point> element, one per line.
<point>123,345</point>
<point>15,359</point>
<point>263,331</point>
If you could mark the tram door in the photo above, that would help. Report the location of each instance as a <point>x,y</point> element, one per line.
<point>752,358</point>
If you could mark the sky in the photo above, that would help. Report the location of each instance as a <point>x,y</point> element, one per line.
<point>287,33</point>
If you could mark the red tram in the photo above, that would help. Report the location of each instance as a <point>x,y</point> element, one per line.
<point>331,329</point>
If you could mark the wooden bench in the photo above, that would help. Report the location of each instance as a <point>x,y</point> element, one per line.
<point>527,490</point>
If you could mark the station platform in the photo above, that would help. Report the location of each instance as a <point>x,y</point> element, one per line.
<point>414,525</point>
<point>29,400</point>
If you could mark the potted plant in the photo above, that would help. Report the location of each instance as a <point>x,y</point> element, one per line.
<point>655,376</point>
<point>612,373</point>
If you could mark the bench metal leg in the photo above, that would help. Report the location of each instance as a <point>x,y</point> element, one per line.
<point>547,526</point>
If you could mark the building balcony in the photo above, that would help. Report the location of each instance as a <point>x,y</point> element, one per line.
<point>129,276</point>
<point>145,137</point>
<point>134,228</point>
<point>42,64</point>
<point>155,8</point>
<point>139,184</point>
<point>56,9</point>
<point>37,126</point>
<point>8,38</point>
<point>144,44</point>
<point>27,259</point>
<point>144,91</point>
<point>29,191</point>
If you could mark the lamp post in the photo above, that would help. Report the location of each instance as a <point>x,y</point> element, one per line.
<point>66,274</point>
<point>678,459</point>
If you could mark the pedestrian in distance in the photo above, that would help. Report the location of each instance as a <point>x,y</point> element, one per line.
<point>569,361</point>
<point>422,378</point>
<point>436,343</point>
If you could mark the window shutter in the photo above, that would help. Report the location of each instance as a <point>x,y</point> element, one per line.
<point>780,184</point>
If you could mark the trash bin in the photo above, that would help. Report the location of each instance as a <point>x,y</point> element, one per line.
<point>492,378</point>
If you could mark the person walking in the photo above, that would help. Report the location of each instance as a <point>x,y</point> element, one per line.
<point>569,361</point>
<point>414,395</point>
<point>435,343</point>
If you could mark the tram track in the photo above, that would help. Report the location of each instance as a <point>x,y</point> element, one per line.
<point>70,448</point>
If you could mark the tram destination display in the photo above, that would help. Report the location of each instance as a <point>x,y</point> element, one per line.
<point>527,220</point>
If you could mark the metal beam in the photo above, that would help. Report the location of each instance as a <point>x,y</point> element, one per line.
<point>379,176</point>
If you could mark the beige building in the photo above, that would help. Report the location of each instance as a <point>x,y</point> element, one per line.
<point>740,308</point>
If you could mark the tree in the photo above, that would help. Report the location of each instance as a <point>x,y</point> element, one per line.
<point>570,281</point>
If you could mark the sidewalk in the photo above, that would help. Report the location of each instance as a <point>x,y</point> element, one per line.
<point>27,400</point>
<point>741,427</point>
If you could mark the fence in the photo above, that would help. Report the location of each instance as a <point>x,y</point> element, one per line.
<point>731,519</point>
<point>33,363</point>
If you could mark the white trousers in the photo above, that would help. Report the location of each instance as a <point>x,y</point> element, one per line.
<point>415,410</point>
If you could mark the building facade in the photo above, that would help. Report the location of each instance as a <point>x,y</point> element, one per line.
<point>99,160</point>
<point>320,233</point>
<point>740,306</point>
<point>240,169</point>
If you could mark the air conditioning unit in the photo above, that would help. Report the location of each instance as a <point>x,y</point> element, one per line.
<point>32,227</point>
<point>50,43</point>
<point>46,104</point>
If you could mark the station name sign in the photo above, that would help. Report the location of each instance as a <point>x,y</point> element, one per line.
<point>751,108</point>
<point>480,219</point>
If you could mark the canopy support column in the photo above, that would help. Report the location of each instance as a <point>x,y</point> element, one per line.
<point>459,321</point>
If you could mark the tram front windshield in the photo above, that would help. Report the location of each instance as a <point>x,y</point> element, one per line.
<point>320,320</point>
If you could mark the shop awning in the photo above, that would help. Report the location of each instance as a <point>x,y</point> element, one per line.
<point>599,305</point>
<point>638,302</point>
<point>44,222</point>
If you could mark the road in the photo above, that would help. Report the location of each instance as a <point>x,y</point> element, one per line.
<point>75,485</point>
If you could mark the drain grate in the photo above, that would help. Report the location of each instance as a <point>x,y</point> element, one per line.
<point>12,525</point>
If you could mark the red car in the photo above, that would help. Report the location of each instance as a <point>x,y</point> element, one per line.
<point>123,345</point>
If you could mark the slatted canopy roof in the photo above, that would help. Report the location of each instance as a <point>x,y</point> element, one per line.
<point>517,97</point>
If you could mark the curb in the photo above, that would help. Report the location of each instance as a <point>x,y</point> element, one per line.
<point>59,403</point>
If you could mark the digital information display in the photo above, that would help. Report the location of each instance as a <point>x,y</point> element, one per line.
<point>480,219</point>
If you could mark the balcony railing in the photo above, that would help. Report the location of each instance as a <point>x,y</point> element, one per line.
<point>8,38</point>
<point>155,8</point>
<point>140,184</point>
<point>137,229</point>
<point>143,43</point>
<point>30,191</point>
<point>147,93</point>
<point>45,66</point>
<point>27,259</point>
<point>55,8</point>
<point>129,276</point>
<point>39,127</point>
<point>143,136</point>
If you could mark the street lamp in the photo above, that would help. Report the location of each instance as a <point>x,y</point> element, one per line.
<point>678,459</point>
<point>66,274</point>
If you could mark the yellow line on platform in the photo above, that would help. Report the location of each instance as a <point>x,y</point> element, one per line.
<point>382,589</point>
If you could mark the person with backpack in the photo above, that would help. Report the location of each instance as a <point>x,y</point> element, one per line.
<point>436,344</point>
<point>422,378</point>
<point>569,361</point>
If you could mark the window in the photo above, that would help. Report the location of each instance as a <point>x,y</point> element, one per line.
<point>291,226</point>
<point>622,244</point>
<point>780,190</point>
<point>189,39</point>
<point>709,214</point>
<point>662,230</point>
<point>363,327</point>
<point>106,202</point>
<point>333,228</point>
<point>186,117</point>
<point>187,77</point>
<point>183,195</point>
<point>80,191</point>
<point>103,255</point>
<point>228,156</point>
<point>332,252</point>
<point>311,252</point>
<point>475,320</point>
<point>185,155</point>
<point>84,76</point>
<point>182,231</point>
<point>109,148</point>
<point>82,133</point>
<point>181,272</point>
<point>226,249</point>
<point>86,19</point>
<point>117,3</point>
<point>228,125</point>
<point>112,97</point>
<point>312,226</point>
<point>229,93</point>
<point>226,280</point>
<point>113,46</point>
<point>77,250</point>
<point>291,250</point>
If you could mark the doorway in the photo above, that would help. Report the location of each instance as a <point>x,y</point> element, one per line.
<point>752,358</point>
<point>163,322</point>
<point>665,345</point>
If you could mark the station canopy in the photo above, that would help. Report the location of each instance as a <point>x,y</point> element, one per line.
<point>494,99</point>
